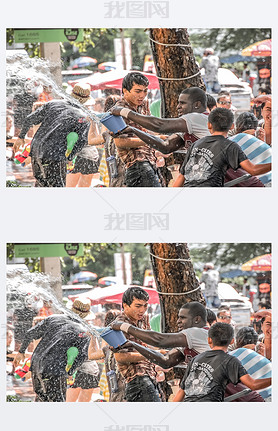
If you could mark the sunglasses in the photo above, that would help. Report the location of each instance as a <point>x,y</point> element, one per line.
<point>224,317</point>
<point>224,103</point>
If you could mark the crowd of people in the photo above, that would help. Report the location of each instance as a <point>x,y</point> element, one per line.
<point>213,358</point>
<point>216,147</point>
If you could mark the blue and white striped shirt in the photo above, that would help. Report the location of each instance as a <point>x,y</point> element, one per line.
<point>256,150</point>
<point>256,365</point>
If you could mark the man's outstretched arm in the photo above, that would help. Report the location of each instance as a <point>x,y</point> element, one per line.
<point>255,384</point>
<point>33,333</point>
<point>169,360</point>
<point>156,339</point>
<point>159,125</point>
<point>173,143</point>
<point>255,169</point>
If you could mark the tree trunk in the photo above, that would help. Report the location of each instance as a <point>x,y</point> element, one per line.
<point>172,277</point>
<point>173,62</point>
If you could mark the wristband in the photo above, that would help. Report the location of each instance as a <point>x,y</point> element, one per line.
<point>124,112</point>
<point>124,327</point>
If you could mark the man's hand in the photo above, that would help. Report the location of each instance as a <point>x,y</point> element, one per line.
<point>116,325</point>
<point>115,110</point>
<point>263,98</point>
<point>260,348</point>
<point>18,143</point>
<point>18,358</point>
<point>123,346</point>
<point>69,163</point>
<point>123,133</point>
<point>262,313</point>
<point>106,135</point>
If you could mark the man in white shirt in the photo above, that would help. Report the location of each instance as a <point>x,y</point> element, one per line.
<point>185,130</point>
<point>187,343</point>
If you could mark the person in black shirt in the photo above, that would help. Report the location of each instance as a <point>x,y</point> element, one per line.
<point>49,360</point>
<point>57,119</point>
<point>208,374</point>
<point>208,159</point>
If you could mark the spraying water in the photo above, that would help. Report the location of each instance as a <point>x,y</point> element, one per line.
<point>25,74</point>
<point>26,289</point>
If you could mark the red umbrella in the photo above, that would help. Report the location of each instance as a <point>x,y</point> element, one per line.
<point>258,49</point>
<point>113,79</point>
<point>113,294</point>
<point>261,263</point>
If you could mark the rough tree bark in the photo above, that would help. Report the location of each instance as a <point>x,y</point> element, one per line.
<point>173,62</point>
<point>173,276</point>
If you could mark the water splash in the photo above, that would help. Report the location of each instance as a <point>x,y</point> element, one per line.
<point>26,289</point>
<point>25,74</point>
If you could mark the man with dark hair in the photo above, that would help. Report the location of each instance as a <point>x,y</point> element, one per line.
<point>134,78</point>
<point>211,317</point>
<point>57,333</point>
<point>57,119</point>
<point>207,161</point>
<point>139,374</point>
<point>251,355</point>
<point>211,102</point>
<point>138,158</point>
<point>263,90</point>
<point>224,99</point>
<point>208,374</point>
<point>190,126</point>
<point>251,140</point>
<point>187,343</point>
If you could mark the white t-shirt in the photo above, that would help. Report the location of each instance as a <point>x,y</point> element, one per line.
<point>197,126</point>
<point>197,339</point>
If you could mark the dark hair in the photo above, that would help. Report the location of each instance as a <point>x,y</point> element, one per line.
<point>224,308</point>
<point>266,89</point>
<point>264,304</point>
<point>196,94</point>
<point>196,309</point>
<point>211,316</point>
<point>110,316</point>
<point>110,101</point>
<point>134,292</point>
<point>211,102</point>
<point>245,121</point>
<point>100,315</point>
<point>134,78</point>
<point>221,119</point>
<point>246,335</point>
<point>100,101</point>
<point>221,334</point>
<point>223,93</point>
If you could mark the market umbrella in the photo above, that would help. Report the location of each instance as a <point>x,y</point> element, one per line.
<point>113,79</point>
<point>83,62</point>
<point>235,58</point>
<point>258,49</point>
<point>82,276</point>
<point>109,65</point>
<point>106,281</point>
<point>260,263</point>
<point>235,273</point>
<point>113,294</point>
